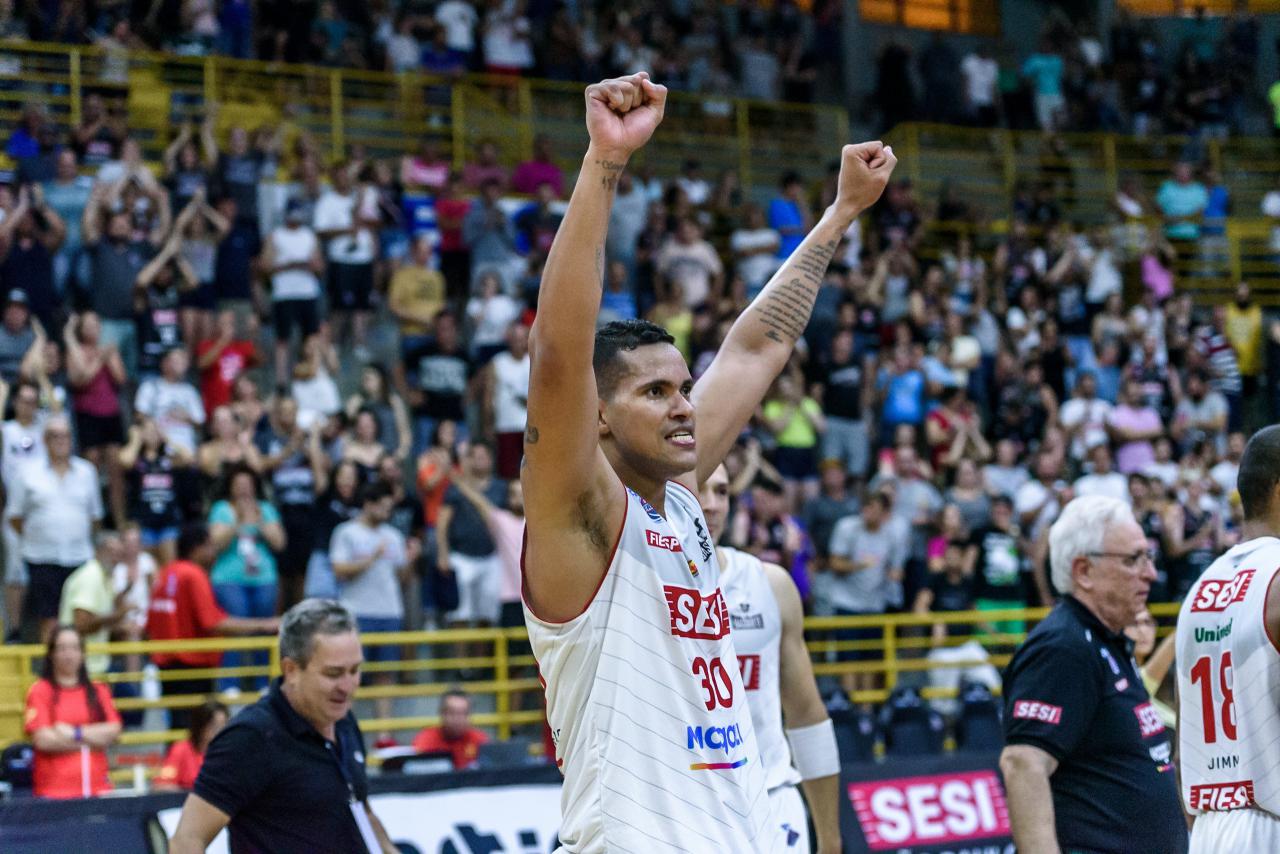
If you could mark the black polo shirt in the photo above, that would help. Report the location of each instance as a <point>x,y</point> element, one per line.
<point>1074,691</point>
<point>278,778</point>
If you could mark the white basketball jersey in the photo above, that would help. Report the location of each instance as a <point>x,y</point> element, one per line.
<point>1229,685</point>
<point>757,636</point>
<point>645,702</point>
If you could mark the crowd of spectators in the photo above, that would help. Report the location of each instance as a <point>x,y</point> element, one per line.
<point>1197,76</point>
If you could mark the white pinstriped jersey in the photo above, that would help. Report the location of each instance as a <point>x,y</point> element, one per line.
<point>1229,684</point>
<point>757,636</point>
<point>645,702</point>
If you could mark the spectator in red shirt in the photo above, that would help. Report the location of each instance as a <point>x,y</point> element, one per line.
<point>182,764</point>
<point>71,721</point>
<point>183,607</point>
<point>455,735</point>
<point>222,360</point>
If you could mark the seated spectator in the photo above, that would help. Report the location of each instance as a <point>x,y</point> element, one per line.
<point>542,169</point>
<point>90,605</point>
<point>182,763</point>
<point>1133,426</point>
<point>1102,479</point>
<point>388,409</point>
<point>426,170</point>
<point>173,402</point>
<point>230,444</point>
<point>489,314</point>
<point>71,722</point>
<point>362,444</point>
<point>455,735</point>
<point>485,168</point>
<point>223,358</point>
<point>1201,415</point>
<point>1182,201</point>
<point>691,262</point>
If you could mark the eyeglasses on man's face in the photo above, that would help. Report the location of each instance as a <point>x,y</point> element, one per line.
<point>1130,560</point>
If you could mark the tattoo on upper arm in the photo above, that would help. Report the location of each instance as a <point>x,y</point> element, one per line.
<point>786,306</point>
<point>531,435</point>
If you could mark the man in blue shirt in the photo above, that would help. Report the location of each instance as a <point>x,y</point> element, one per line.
<point>1183,201</point>
<point>1044,69</point>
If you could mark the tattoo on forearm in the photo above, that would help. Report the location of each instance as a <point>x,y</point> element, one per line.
<point>613,170</point>
<point>600,264</point>
<point>785,306</point>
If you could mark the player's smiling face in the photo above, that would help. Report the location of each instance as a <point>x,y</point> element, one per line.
<point>649,417</point>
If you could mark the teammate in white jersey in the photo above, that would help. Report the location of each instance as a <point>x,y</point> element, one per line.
<point>1229,675</point>
<point>621,584</point>
<point>767,619</point>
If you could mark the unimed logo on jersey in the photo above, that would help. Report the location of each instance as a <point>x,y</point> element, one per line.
<point>1214,594</point>
<point>670,542</point>
<point>929,811</point>
<point>1148,719</point>
<point>1034,710</point>
<point>1221,796</point>
<point>694,615</point>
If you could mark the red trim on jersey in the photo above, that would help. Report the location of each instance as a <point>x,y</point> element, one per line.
<point>524,578</point>
<point>688,490</point>
<point>1266,628</point>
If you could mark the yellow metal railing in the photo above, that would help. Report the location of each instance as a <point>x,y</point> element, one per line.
<point>345,111</point>
<point>504,679</point>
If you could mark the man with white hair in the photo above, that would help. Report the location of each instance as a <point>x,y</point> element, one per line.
<point>1087,762</point>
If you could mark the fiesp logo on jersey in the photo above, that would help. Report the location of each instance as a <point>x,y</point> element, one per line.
<point>670,542</point>
<point>1221,796</point>
<point>1215,595</point>
<point>929,811</point>
<point>698,616</point>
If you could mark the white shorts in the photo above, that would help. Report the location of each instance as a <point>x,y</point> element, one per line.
<point>478,579</point>
<point>792,819</point>
<point>1235,832</point>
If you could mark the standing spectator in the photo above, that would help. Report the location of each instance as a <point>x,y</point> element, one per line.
<point>159,487</point>
<point>490,236</point>
<point>30,237</point>
<point>427,170</point>
<point>183,607</point>
<point>458,19</point>
<point>1079,773</point>
<point>1182,201</point>
<point>455,735</point>
<point>542,169</point>
<point>379,399</point>
<point>1045,68</point>
<point>759,69</point>
<point>505,32</point>
<point>506,404</point>
<point>902,390</point>
<point>416,294</point>
<point>339,221</point>
<point>71,722</point>
<point>90,605</point>
<point>223,359</point>
<point>336,503</point>
<point>1201,416</point>
<point>298,469</point>
<point>371,561</point>
<point>867,561</point>
<point>187,165</point>
<point>1102,479</point>
<point>689,261</point>
<point>1212,345</point>
<point>464,546</point>
<point>158,294</point>
<point>438,377</point>
<point>820,515</point>
<point>1243,329</point>
<point>489,314</point>
<point>1000,569</point>
<point>23,438</point>
<point>68,195</point>
<point>455,260</point>
<point>173,402</point>
<point>981,74</point>
<point>234,265</point>
<point>789,214</point>
<point>1084,417</point>
<point>241,168</point>
<point>182,763</point>
<point>313,385</point>
<point>484,168</point>
<point>55,506</point>
<point>246,534</point>
<point>796,424</point>
<point>755,249</point>
<point>96,374</point>
<point>627,220</point>
<point>198,230</point>
<point>292,259</point>
<point>116,259</point>
<point>18,336</point>
<point>101,132</point>
<point>229,445</point>
<point>1134,425</point>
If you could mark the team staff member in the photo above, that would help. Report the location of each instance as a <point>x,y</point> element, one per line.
<point>1087,762</point>
<point>287,774</point>
<point>767,621</point>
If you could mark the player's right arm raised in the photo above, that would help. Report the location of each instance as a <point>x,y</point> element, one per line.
<point>574,502</point>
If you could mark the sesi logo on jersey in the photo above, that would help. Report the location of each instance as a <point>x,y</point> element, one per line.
<point>1217,595</point>
<point>1149,722</point>
<point>694,615</point>
<point>1222,796</point>
<point>1034,710</point>
<point>670,542</point>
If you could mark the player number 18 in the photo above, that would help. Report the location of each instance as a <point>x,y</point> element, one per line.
<point>1202,674</point>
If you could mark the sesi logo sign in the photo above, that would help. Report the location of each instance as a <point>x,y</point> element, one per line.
<point>1034,710</point>
<point>1148,719</point>
<point>662,541</point>
<point>1215,594</point>
<point>1221,796</point>
<point>944,808</point>
<point>694,615</point>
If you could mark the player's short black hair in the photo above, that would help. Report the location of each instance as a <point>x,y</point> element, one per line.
<point>1259,472</point>
<point>617,337</point>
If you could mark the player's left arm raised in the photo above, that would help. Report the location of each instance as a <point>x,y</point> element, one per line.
<point>809,729</point>
<point>761,340</point>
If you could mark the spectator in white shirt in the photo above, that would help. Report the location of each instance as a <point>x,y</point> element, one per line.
<point>291,256</point>
<point>688,260</point>
<point>22,440</point>
<point>980,75</point>
<point>345,222</point>
<point>54,506</point>
<point>1103,479</point>
<point>459,19</point>
<point>755,249</point>
<point>1084,416</point>
<point>172,402</point>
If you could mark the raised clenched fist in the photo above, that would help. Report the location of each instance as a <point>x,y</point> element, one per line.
<point>623,112</point>
<point>864,171</point>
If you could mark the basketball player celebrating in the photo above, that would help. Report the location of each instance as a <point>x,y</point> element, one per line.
<point>1229,674</point>
<point>622,598</point>
<point>767,621</point>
